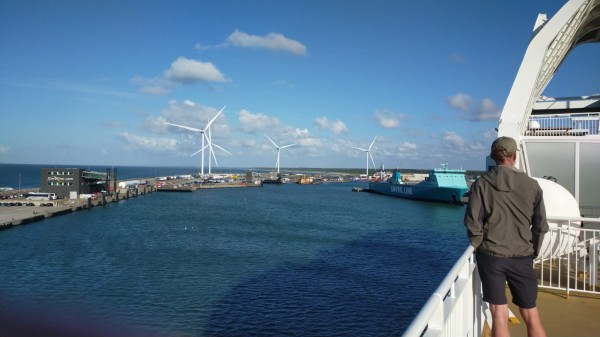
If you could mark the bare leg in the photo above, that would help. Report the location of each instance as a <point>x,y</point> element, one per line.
<point>499,320</point>
<point>534,322</point>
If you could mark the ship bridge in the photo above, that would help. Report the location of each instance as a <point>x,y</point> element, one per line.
<point>576,23</point>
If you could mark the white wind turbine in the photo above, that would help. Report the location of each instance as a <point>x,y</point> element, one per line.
<point>278,150</point>
<point>368,151</point>
<point>211,151</point>
<point>204,136</point>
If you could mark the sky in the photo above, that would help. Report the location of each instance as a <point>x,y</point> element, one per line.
<point>95,82</point>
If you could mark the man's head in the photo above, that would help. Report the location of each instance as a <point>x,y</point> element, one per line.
<point>503,149</point>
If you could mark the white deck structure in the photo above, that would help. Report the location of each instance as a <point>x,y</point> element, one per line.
<point>560,141</point>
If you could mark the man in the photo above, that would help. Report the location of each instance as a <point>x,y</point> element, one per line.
<point>506,222</point>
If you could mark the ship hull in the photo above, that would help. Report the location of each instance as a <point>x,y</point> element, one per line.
<point>420,191</point>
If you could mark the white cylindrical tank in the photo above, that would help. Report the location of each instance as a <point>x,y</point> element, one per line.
<point>124,184</point>
<point>559,203</point>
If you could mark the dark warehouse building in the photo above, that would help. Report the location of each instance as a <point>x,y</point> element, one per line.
<point>63,181</point>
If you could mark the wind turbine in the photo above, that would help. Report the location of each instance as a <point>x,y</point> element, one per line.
<point>368,151</point>
<point>204,136</point>
<point>278,150</point>
<point>212,152</point>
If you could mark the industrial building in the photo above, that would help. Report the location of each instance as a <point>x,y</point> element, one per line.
<point>64,181</point>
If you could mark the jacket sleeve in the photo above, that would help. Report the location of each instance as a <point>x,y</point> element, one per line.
<point>539,225</point>
<point>474,215</point>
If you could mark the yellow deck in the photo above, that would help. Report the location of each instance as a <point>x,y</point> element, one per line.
<point>562,315</point>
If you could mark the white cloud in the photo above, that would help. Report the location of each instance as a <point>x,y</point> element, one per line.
<point>188,71</point>
<point>249,142</point>
<point>190,114</point>
<point>149,144</point>
<point>311,142</point>
<point>338,127</point>
<point>322,122</point>
<point>253,122</point>
<point>485,110</point>
<point>272,41</point>
<point>490,134</point>
<point>151,86</point>
<point>406,146</point>
<point>388,119</point>
<point>460,101</point>
<point>300,132</point>
<point>454,140</point>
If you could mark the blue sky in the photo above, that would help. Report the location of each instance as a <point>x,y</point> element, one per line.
<point>94,82</point>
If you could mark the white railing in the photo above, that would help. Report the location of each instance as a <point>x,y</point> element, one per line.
<point>456,307</point>
<point>572,264</point>
<point>564,125</point>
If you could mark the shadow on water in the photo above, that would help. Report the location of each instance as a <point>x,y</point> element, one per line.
<point>361,289</point>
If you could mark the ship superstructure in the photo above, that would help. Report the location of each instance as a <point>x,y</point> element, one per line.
<point>559,145</point>
<point>442,185</point>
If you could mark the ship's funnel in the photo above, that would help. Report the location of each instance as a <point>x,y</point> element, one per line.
<point>562,237</point>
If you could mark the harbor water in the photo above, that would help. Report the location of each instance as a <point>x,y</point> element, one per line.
<point>281,260</point>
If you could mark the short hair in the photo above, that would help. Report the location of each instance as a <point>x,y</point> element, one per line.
<point>499,153</point>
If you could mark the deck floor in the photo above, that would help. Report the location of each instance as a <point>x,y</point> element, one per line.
<point>561,315</point>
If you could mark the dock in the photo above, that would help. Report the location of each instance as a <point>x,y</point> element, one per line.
<point>19,211</point>
<point>24,211</point>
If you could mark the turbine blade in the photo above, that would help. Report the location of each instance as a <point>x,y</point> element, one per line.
<point>373,142</point>
<point>195,153</point>
<point>271,141</point>
<point>283,147</point>
<point>185,127</point>
<point>213,119</point>
<point>371,159</point>
<point>222,149</point>
<point>358,148</point>
<point>214,157</point>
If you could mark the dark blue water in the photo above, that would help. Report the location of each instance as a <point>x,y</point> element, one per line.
<point>290,260</point>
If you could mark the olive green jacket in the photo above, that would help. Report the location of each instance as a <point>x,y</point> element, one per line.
<point>505,215</point>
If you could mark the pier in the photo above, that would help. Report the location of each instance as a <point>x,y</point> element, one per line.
<point>19,211</point>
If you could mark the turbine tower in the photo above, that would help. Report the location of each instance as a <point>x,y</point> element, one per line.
<point>278,150</point>
<point>212,152</point>
<point>368,151</point>
<point>204,136</point>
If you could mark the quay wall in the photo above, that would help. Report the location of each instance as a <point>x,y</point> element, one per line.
<point>11,216</point>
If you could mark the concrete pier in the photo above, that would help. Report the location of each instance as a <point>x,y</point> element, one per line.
<point>11,216</point>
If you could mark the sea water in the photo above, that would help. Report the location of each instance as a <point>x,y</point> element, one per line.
<point>278,260</point>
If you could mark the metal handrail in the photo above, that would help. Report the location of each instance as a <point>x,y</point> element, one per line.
<point>572,262</point>
<point>456,288</point>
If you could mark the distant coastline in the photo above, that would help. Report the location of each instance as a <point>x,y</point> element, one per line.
<point>27,176</point>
